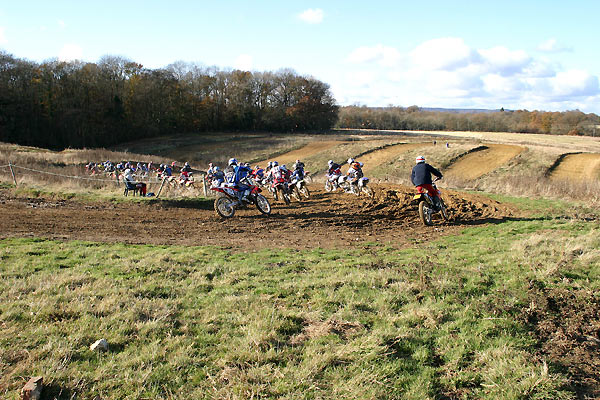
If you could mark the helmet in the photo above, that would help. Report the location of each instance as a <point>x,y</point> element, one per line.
<point>297,161</point>
<point>173,164</point>
<point>210,164</point>
<point>217,168</point>
<point>350,160</point>
<point>283,167</point>
<point>330,163</point>
<point>257,166</point>
<point>275,163</point>
<point>186,164</point>
<point>420,159</point>
<point>232,161</point>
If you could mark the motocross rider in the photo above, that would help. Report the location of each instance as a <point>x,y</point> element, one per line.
<point>236,174</point>
<point>354,171</point>
<point>334,172</point>
<point>298,173</point>
<point>421,178</point>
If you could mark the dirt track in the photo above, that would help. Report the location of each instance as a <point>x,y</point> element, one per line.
<point>376,158</point>
<point>312,148</point>
<point>584,166</point>
<point>479,163</point>
<point>327,220</point>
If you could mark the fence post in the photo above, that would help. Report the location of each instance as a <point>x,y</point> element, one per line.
<point>204,186</point>
<point>161,186</point>
<point>12,172</point>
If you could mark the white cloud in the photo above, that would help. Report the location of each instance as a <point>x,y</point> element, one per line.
<point>70,52</point>
<point>447,72</point>
<point>384,55</point>
<point>504,61</point>
<point>62,24</point>
<point>553,46</point>
<point>312,16</point>
<point>243,62</point>
<point>574,83</point>
<point>3,39</point>
<point>443,54</point>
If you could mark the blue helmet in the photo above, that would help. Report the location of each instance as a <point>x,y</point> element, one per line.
<point>232,161</point>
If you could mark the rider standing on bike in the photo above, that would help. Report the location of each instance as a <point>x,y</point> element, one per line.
<point>237,174</point>
<point>421,178</point>
<point>298,173</point>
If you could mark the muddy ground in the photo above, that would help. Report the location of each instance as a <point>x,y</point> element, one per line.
<point>327,220</point>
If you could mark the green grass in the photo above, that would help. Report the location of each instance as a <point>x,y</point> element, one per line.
<point>439,320</point>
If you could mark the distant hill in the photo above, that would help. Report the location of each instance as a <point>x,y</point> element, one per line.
<point>461,110</point>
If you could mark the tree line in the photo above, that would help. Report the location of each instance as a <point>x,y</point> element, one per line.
<point>58,104</point>
<point>521,121</point>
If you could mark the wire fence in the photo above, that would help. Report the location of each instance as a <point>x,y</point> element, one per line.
<point>117,180</point>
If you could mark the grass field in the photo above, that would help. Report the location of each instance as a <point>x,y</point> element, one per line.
<point>498,308</point>
<point>445,319</point>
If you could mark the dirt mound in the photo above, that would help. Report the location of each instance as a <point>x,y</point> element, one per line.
<point>478,163</point>
<point>397,202</point>
<point>326,220</point>
<point>576,166</point>
<point>306,151</point>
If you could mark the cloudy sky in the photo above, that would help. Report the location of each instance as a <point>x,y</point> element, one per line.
<point>526,54</point>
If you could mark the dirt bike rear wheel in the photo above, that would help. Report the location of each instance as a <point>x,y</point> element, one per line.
<point>425,212</point>
<point>444,210</point>
<point>224,206</point>
<point>296,194</point>
<point>304,191</point>
<point>263,204</point>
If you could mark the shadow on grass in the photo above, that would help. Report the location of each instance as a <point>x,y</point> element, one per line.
<point>55,391</point>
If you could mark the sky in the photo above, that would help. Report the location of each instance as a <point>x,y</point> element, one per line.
<point>525,54</point>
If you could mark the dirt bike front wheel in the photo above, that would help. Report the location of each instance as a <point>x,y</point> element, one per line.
<point>368,191</point>
<point>328,186</point>
<point>425,213</point>
<point>285,196</point>
<point>225,206</point>
<point>263,204</point>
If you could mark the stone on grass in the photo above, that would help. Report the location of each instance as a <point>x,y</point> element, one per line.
<point>99,345</point>
<point>33,389</point>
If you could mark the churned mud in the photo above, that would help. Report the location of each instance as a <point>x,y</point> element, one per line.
<point>326,220</point>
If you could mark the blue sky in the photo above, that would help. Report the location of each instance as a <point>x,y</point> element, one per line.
<point>535,55</point>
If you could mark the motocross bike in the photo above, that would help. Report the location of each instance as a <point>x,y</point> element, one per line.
<point>332,181</point>
<point>227,200</point>
<point>298,188</point>
<point>428,205</point>
<point>280,187</point>
<point>360,187</point>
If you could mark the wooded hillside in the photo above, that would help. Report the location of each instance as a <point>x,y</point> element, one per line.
<point>75,104</point>
<point>521,121</point>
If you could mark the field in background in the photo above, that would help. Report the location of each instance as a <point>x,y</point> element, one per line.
<point>337,297</point>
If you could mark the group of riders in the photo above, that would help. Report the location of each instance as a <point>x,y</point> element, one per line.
<point>242,175</point>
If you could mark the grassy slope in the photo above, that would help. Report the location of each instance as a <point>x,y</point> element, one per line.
<point>439,319</point>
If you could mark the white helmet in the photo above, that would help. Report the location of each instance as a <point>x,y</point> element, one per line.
<point>232,161</point>
<point>330,163</point>
<point>350,160</point>
<point>420,159</point>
